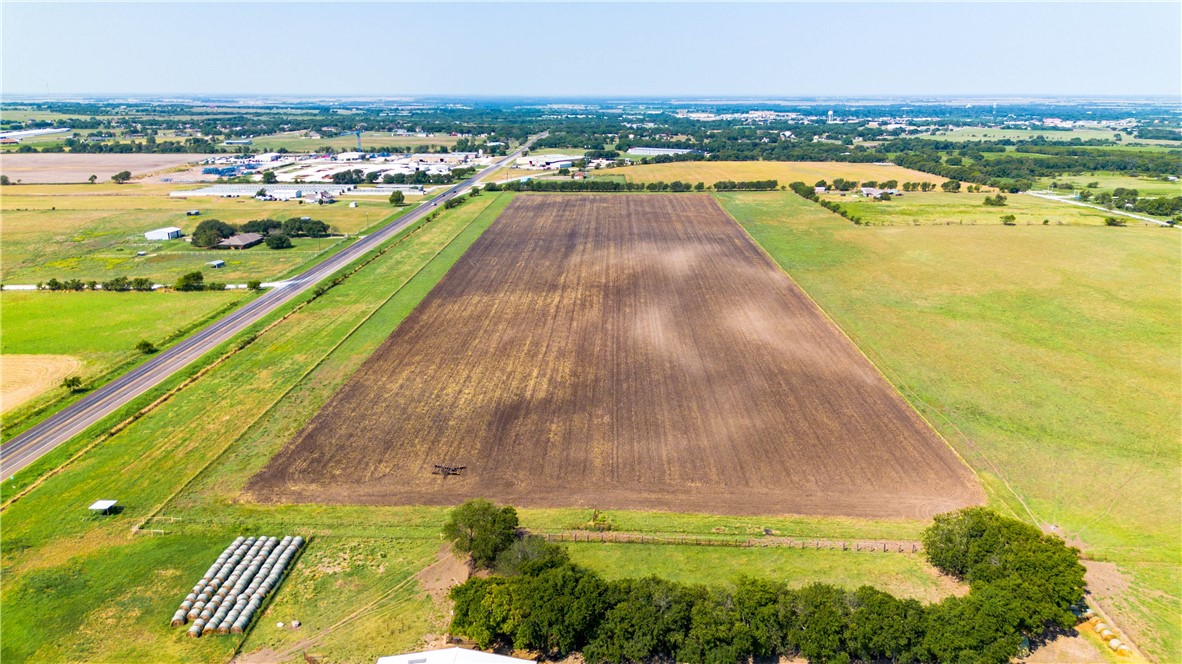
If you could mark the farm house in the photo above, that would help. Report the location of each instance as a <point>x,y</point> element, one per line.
<point>240,241</point>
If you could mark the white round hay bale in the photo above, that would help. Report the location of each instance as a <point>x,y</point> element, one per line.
<point>1100,627</point>
<point>1114,644</point>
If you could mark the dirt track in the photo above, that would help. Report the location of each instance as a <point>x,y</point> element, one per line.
<point>621,352</point>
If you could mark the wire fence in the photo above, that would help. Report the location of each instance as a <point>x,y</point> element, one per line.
<point>856,546</point>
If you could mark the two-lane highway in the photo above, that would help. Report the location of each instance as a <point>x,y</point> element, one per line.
<point>42,438</point>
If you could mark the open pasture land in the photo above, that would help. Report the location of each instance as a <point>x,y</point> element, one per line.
<point>967,209</point>
<point>294,141</point>
<point>95,232</point>
<point>1107,182</point>
<point>1085,134</point>
<point>93,333</point>
<point>621,352</point>
<point>1047,355</point>
<point>784,171</point>
<point>60,168</point>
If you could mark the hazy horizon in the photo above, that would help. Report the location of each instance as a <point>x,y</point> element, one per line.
<point>594,51</point>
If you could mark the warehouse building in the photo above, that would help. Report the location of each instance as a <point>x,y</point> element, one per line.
<point>546,161</point>
<point>653,152</point>
<point>162,234</point>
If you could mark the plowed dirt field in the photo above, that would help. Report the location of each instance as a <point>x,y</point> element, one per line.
<point>621,352</point>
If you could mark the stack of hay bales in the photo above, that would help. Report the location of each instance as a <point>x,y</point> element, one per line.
<point>1107,634</point>
<point>230,593</point>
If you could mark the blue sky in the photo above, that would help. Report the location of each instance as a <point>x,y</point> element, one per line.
<point>604,49</point>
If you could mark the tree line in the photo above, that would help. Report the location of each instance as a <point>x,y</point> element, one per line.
<point>594,185</point>
<point>1022,583</point>
<point>804,191</point>
<point>118,284</point>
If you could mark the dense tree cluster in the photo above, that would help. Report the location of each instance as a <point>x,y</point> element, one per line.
<point>1022,584</point>
<point>211,231</point>
<point>1018,172</point>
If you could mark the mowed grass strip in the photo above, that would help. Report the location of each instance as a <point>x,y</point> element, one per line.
<point>1047,355</point>
<point>49,539</point>
<point>784,171</point>
<point>903,575</point>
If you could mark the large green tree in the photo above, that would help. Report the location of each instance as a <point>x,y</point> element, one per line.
<point>482,530</point>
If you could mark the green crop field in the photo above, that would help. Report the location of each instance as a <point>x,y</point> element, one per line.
<point>100,327</point>
<point>969,209</point>
<point>296,142</point>
<point>903,575</point>
<point>1047,355</point>
<point>95,232</point>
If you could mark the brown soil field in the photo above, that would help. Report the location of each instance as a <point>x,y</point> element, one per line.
<point>621,352</point>
<point>62,168</point>
<point>23,377</point>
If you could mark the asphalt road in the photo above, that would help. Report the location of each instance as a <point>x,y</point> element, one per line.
<point>39,440</point>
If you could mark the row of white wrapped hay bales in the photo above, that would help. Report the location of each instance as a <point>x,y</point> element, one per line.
<point>231,592</point>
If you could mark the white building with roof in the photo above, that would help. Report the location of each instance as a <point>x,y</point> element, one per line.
<point>162,234</point>
<point>653,152</point>
<point>546,161</point>
<point>452,656</point>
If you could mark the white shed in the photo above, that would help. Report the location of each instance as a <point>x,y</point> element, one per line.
<point>161,234</point>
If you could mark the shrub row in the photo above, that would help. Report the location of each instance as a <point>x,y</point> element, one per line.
<point>617,186</point>
<point>118,284</point>
<point>1022,582</point>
